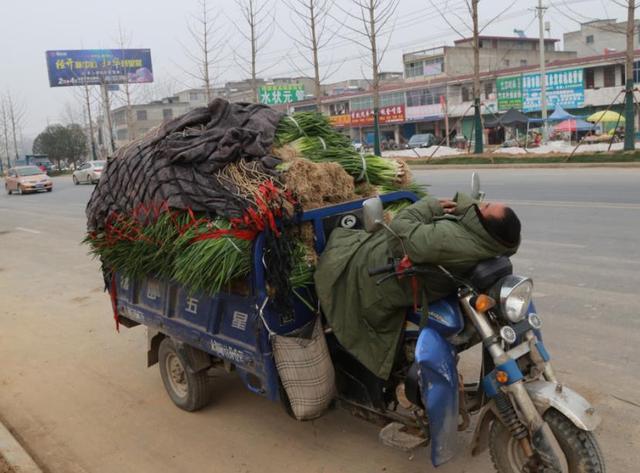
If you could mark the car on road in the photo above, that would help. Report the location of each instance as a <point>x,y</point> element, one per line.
<point>421,140</point>
<point>89,172</point>
<point>25,179</point>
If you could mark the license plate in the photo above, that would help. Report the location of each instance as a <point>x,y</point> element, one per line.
<point>39,186</point>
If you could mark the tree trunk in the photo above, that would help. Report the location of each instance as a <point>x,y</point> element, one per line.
<point>629,115</point>
<point>314,51</point>
<point>478,148</point>
<point>375,79</point>
<point>205,39</point>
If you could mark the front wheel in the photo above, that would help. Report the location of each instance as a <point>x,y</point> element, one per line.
<point>189,391</point>
<point>75,180</point>
<point>580,448</point>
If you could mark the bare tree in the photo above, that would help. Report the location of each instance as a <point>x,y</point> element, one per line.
<point>209,48</point>
<point>310,22</point>
<point>15,112</point>
<point>372,20</point>
<point>4,129</point>
<point>474,29</point>
<point>258,17</point>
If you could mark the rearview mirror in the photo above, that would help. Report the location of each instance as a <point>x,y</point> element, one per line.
<point>476,193</point>
<point>373,214</point>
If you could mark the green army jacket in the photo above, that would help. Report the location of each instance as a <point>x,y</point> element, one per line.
<point>367,319</point>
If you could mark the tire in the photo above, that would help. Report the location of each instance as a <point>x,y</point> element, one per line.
<point>188,391</point>
<point>9,191</point>
<point>580,448</point>
<point>49,189</point>
<point>75,180</point>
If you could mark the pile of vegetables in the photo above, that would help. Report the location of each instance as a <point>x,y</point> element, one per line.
<point>208,254</point>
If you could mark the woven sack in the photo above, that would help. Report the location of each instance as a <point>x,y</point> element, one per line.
<point>306,371</point>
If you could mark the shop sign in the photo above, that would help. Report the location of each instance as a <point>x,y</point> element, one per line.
<point>340,120</point>
<point>509,91</point>
<point>387,115</point>
<point>565,88</point>
<point>424,112</point>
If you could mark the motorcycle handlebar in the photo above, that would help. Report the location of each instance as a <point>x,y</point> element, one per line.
<point>387,268</point>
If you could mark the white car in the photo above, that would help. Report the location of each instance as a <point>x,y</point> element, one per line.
<point>89,172</point>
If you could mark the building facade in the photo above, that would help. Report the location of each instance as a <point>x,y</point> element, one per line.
<point>600,37</point>
<point>580,85</point>
<point>495,52</point>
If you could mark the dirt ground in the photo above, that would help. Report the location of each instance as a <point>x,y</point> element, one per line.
<point>4,467</point>
<point>82,400</point>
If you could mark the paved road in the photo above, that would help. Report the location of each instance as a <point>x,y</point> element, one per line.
<point>81,399</point>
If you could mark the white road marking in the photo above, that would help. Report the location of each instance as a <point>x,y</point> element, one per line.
<point>28,230</point>
<point>584,205</point>
<point>555,243</point>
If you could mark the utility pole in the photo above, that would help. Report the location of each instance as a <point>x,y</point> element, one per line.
<point>478,148</point>
<point>543,72</point>
<point>629,115</point>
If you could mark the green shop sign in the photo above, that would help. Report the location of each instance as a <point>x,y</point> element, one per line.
<point>281,94</point>
<point>509,91</point>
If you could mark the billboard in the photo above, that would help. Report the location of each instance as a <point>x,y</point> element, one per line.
<point>280,94</point>
<point>390,114</point>
<point>99,66</point>
<point>509,91</point>
<point>563,87</point>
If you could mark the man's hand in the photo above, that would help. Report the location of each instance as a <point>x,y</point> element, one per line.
<point>448,206</point>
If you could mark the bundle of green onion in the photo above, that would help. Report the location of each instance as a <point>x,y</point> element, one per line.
<point>167,248</point>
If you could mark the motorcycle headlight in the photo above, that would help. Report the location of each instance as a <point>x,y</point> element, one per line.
<point>515,296</point>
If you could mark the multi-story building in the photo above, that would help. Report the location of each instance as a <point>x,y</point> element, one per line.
<point>581,85</point>
<point>600,37</point>
<point>496,52</point>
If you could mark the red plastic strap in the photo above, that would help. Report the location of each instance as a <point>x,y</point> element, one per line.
<point>114,301</point>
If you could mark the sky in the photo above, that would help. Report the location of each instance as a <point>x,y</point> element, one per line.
<point>30,27</point>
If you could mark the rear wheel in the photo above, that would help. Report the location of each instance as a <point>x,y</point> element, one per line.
<point>6,187</point>
<point>580,448</point>
<point>188,391</point>
<point>75,180</point>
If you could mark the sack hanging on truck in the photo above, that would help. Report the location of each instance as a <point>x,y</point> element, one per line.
<point>306,370</point>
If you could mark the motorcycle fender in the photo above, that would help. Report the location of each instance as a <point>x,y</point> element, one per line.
<point>546,395</point>
<point>439,391</point>
<point>480,441</point>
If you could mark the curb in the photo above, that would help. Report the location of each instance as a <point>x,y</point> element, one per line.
<point>524,165</point>
<point>14,455</point>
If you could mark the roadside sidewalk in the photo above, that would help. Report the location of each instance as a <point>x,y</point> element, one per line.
<point>14,458</point>
<point>522,165</point>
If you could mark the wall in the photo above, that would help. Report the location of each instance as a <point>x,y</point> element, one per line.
<point>606,35</point>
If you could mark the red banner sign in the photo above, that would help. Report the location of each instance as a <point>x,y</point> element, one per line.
<point>390,114</point>
<point>340,120</point>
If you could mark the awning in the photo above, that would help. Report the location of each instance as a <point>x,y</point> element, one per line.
<point>573,126</point>
<point>510,119</point>
<point>560,114</point>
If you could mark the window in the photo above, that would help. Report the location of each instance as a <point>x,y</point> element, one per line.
<point>141,115</point>
<point>466,94</point>
<point>636,71</point>
<point>609,76</point>
<point>167,113</point>
<point>414,69</point>
<point>589,39</point>
<point>589,78</point>
<point>121,135</point>
<point>361,103</point>
<point>506,62</point>
<point>523,62</point>
<point>433,67</point>
<point>194,96</point>
<point>119,118</point>
<point>396,98</point>
<point>339,108</point>
<point>488,89</point>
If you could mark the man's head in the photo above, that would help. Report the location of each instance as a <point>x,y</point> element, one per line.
<point>501,222</point>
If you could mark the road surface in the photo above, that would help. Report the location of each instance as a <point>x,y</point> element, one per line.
<point>80,398</point>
